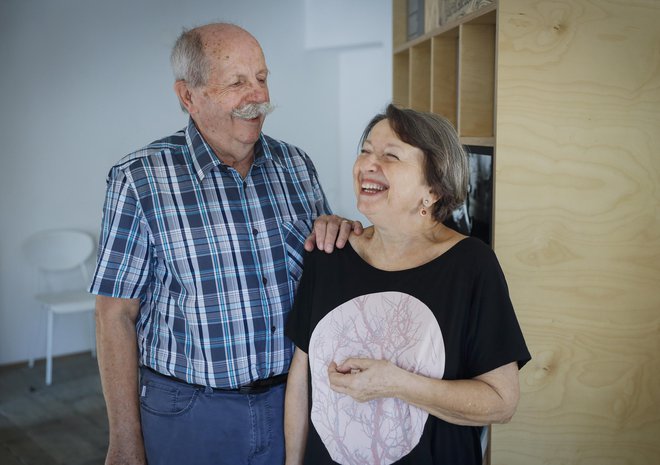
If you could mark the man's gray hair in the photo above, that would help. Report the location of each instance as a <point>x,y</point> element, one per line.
<point>188,60</point>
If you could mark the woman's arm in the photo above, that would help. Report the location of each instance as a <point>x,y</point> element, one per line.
<point>485,399</point>
<point>295,409</point>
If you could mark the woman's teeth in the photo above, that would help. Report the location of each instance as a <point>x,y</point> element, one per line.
<point>371,188</point>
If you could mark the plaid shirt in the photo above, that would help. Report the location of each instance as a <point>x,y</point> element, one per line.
<point>214,258</point>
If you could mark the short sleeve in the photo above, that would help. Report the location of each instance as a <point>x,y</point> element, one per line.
<point>123,259</point>
<point>299,320</point>
<point>322,205</point>
<point>494,338</point>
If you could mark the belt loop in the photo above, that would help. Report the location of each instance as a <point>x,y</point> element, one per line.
<point>208,390</point>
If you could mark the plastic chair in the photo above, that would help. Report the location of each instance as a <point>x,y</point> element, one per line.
<point>59,254</point>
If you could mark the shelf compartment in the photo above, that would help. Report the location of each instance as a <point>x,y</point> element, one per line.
<point>401,81</point>
<point>476,86</point>
<point>399,23</point>
<point>420,76</point>
<point>444,75</point>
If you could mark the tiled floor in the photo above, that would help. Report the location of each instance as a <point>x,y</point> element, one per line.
<point>64,423</point>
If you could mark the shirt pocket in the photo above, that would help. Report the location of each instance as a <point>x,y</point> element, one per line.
<point>295,233</point>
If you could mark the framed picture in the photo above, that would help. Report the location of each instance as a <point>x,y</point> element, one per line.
<point>475,216</point>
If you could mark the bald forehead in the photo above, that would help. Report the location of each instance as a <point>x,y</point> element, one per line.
<point>222,36</point>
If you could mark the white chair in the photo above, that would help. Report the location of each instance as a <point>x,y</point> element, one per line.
<point>59,255</point>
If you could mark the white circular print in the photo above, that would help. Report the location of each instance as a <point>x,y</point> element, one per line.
<point>385,326</point>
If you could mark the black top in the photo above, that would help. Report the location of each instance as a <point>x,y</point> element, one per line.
<point>450,318</point>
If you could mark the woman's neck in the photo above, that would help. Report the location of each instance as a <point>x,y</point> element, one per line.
<point>393,249</point>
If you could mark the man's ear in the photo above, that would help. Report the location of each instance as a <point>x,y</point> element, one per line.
<point>185,97</point>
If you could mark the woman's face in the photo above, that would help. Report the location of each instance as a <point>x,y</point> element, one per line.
<point>388,177</point>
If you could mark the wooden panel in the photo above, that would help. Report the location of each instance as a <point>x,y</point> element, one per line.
<point>444,74</point>
<point>431,14</point>
<point>400,82</point>
<point>420,76</point>
<point>476,79</point>
<point>577,227</point>
<point>399,22</point>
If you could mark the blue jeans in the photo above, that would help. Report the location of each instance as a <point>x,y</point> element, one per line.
<point>184,424</point>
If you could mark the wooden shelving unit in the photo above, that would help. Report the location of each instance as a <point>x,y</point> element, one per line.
<point>566,93</point>
<point>450,70</point>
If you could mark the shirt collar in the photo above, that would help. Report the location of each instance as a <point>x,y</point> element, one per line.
<point>204,159</point>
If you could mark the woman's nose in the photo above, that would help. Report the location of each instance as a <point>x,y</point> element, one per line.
<point>369,162</point>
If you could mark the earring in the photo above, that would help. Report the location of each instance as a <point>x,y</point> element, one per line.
<point>423,211</point>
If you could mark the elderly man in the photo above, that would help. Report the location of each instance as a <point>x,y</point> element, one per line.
<point>200,254</point>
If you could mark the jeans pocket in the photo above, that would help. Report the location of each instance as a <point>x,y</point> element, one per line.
<point>167,399</point>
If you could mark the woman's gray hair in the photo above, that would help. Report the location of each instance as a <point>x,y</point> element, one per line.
<point>188,60</point>
<point>446,166</point>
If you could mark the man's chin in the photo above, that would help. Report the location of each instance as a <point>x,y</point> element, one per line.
<point>250,137</point>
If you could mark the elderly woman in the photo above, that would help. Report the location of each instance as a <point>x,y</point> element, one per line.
<point>406,340</point>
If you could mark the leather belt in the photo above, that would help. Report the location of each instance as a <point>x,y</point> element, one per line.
<point>256,387</point>
<point>261,385</point>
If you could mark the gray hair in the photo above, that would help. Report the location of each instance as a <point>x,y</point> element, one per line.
<point>446,166</point>
<point>188,60</point>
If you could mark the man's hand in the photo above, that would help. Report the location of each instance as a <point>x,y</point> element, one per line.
<point>330,231</point>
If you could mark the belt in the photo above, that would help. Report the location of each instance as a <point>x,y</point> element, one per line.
<point>261,385</point>
<point>256,387</point>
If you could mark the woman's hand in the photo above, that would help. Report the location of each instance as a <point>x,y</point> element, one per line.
<point>363,379</point>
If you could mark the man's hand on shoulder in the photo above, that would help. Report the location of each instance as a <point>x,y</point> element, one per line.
<point>330,231</point>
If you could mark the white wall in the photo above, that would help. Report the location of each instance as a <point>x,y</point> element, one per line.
<point>85,82</point>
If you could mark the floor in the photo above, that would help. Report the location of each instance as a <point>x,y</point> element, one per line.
<point>64,423</point>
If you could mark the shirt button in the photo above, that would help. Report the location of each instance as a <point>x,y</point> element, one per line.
<point>273,328</point>
<point>244,185</point>
<point>255,232</point>
<point>272,373</point>
<point>264,280</point>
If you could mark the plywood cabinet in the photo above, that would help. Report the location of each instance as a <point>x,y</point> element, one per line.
<point>567,92</point>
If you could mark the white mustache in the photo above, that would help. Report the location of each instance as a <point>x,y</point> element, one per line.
<point>253,110</point>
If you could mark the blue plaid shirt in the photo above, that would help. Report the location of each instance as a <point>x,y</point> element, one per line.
<point>214,258</point>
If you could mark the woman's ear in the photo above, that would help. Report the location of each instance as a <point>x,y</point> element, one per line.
<point>433,197</point>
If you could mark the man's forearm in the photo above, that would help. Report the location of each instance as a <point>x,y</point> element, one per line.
<point>118,366</point>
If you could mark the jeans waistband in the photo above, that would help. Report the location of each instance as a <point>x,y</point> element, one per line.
<point>258,386</point>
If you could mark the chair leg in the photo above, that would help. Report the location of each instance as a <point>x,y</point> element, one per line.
<point>49,349</point>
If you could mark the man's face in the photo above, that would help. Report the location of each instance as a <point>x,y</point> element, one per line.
<point>237,77</point>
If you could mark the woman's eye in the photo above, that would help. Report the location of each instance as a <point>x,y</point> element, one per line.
<point>392,156</point>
